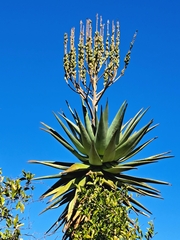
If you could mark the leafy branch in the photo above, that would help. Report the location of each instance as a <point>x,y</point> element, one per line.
<point>13,197</point>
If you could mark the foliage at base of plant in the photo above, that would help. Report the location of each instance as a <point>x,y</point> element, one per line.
<point>13,197</point>
<point>101,214</point>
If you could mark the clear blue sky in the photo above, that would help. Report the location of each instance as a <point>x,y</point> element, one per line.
<point>32,86</point>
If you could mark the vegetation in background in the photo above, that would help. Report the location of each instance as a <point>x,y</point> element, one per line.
<point>14,195</point>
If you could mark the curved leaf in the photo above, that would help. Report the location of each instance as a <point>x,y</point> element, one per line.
<point>60,139</point>
<point>132,124</point>
<point>117,122</point>
<point>76,167</point>
<point>109,153</point>
<point>87,121</point>
<point>94,158</point>
<point>61,190</point>
<point>151,159</point>
<point>54,164</point>
<point>140,179</point>
<point>118,169</point>
<point>74,140</point>
<point>138,149</point>
<point>136,183</point>
<point>101,133</point>
<point>74,128</point>
<point>85,139</point>
<point>131,143</point>
<point>59,202</point>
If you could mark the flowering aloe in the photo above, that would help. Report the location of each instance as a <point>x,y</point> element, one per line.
<point>104,150</point>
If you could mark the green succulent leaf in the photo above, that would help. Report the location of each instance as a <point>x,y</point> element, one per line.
<point>59,202</point>
<point>117,122</point>
<point>88,123</point>
<point>60,139</point>
<point>74,128</point>
<point>131,143</point>
<point>56,224</point>
<point>132,200</point>
<point>48,177</point>
<point>54,164</point>
<point>118,169</point>
<point>74,140</point>
<point>101,133</point>
<point>132,124</point>
<point>76,167</point>
<point>136,183</point>
<point>109,153</point>
<point>72,113</point>
<point>57,136</point>
<point>61,190</point>
<point>148,160</point>
<point>61,182</point>
<point>140,179</point>
<point>136,150</point>
<point>138,163</point>
<point>144,192</point>
<point>94,158</point>
<point>86,140</point>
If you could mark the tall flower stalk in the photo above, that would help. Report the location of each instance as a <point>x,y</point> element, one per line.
<point>98,59</point>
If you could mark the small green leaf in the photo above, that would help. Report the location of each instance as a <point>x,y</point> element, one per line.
<point>20,206</point>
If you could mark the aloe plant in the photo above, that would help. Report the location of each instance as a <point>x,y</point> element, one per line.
<point>103,150</point>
